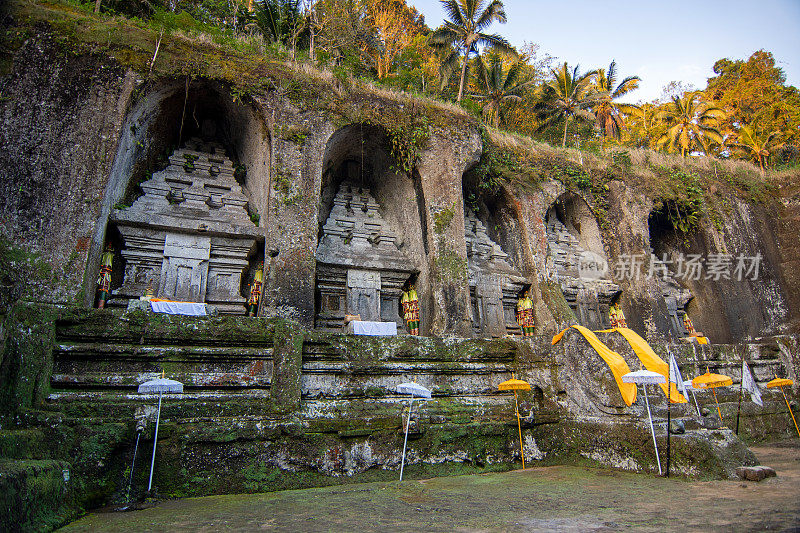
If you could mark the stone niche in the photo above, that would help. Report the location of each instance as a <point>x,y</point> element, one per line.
<point>675,296</point>
<point>494,285</point>
<point>361,269</point>
<point>583,273</point>
<point>189,237</point>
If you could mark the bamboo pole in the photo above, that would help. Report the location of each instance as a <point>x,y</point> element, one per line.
<point>790,410</point>
<point>519,428</point>
<point>714,392</point>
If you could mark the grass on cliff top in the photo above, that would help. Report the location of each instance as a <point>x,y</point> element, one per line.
<point>189,48</point>
<point>698,186</point>
<point>639,166</point>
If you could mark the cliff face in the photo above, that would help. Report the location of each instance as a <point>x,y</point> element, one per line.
<point>82,128</point>
<point>86,120</point>
<point>61,118</point>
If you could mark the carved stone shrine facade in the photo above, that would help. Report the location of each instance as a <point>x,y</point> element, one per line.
<point>189,236</point>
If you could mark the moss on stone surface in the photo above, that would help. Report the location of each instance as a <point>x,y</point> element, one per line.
<point>26,362</point>
<point>553,298</point>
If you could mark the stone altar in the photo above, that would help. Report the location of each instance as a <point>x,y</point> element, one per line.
<point>189,236</point>
<point>361,268</point>
<point>494,285</point>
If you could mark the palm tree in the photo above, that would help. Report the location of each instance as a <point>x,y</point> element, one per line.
<point>278,19</point>
<point>464,32</point>
<point>607,112</point>
<point>497,86</point>
<point>754,145</point>
<point>642,123</point>
<point>566,96</point>
<point>692,121</point>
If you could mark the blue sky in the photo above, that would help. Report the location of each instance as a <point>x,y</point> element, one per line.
<point>657,41</point>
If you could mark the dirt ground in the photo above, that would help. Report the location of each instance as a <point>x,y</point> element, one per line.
<point>563,498</point>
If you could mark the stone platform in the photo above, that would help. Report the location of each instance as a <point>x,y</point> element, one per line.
<point>269,405</point>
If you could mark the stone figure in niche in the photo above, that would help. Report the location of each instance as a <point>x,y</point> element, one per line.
<point>583,274</point>
<point>255,290</point>
<point>361,268</point>
<point>495,286</point>
<point>410,304</point>
<point>104,280</point>
<point>675,296</point>
<point>617,317</point>
<point>190,234</point>
<point>525,317</point>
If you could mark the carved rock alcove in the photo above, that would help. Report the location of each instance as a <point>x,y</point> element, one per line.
<point>360,266</point>
<point>494,285</point>
<point>189,236</point>
<point>581,270</point>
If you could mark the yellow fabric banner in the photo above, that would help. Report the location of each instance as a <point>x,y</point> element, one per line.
<point>614,361</point>
<point>651,362</point>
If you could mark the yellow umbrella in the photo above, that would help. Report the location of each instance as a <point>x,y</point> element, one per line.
<point>515,385</point>
<point>712,381</point>
<point>781,383</point>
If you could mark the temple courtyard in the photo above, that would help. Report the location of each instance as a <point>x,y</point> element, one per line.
<point>564,498</point>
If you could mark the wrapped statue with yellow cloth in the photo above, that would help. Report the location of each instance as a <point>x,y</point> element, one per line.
<point>104,280</point>
<point>525,317</point>
<point>255,291</point>
<point>687,323</point>
<point>616,316</point>
<point>410,305</point>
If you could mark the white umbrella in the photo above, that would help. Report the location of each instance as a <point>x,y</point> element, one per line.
<point>423,394</point>
<point>646,377</point>
<point>159,385</point>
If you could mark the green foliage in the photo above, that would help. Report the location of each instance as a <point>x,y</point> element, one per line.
<point>294,134</point>
<point>449,265</point>
<point>407,139</point>
<point>442,219</point>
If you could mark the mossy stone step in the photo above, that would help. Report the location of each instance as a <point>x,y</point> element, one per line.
<point>23,444</point>
<point>35,495</point>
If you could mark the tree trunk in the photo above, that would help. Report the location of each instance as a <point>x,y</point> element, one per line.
<point>97,6</point>
<point>463,77</point>
<point>311,26</point>
<point>566,124</point>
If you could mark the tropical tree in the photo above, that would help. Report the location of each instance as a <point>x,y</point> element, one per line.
<point>608,116</point>
<point>642,125</point>
<point>755,145</point>
<point>279,20</point>
<point>464,33</point>
<point>566,96</point>
<point>395,25</point>
<point>497,86</point>
<point>692,122</point>
<point>755,92</point>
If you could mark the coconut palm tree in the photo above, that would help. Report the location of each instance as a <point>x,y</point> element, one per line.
<point>607,113</point>
<point>566,96</point>
<point>643,127</point>
<point>464,33</point>
<point>755,146</point>
<point>497,86</point>
<point>692,123</point>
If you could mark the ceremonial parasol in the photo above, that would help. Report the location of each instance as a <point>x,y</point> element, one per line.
<point>646,377</point>
<point>712,381</point>
<point>423,394</point>
<point>781,383</point>
<point>159,385</point>
<point>515,385</point>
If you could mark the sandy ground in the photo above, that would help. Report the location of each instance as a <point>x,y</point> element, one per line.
<point>562,498</point>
